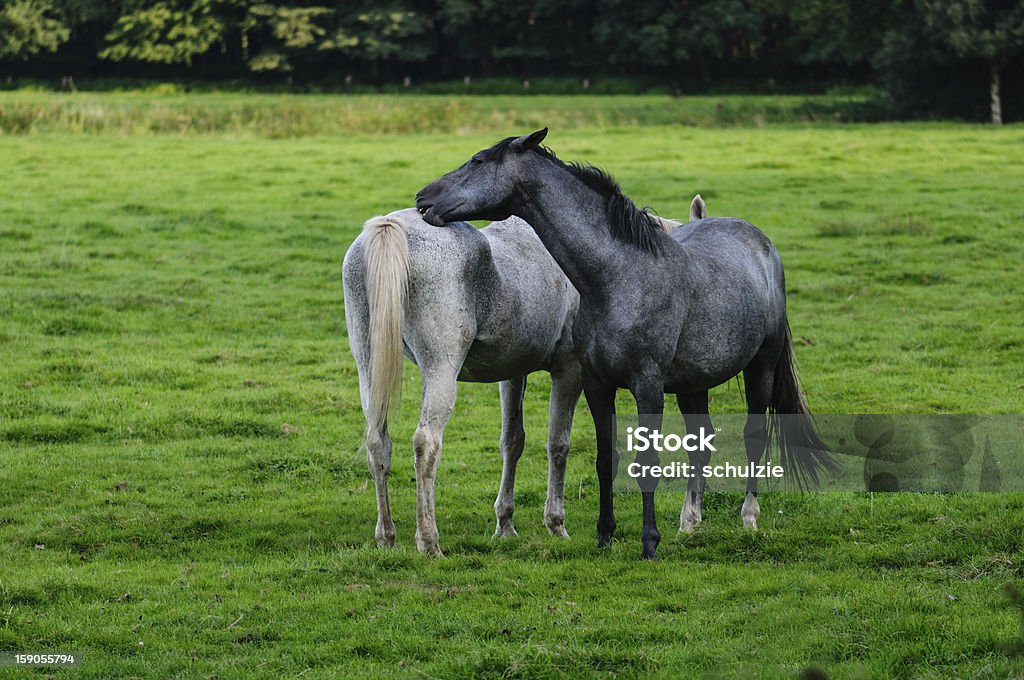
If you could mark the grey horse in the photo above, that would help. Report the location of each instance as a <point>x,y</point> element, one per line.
<point>677,312</point>
<point>487,305</point>
<point>463,304</point>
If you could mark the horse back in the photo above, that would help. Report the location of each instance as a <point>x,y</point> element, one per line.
<point>731,250</point>
<point>495,289</point>
<point>733,296</point>
<point>526,305</point>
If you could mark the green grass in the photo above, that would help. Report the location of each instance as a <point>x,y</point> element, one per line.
<point>181,493</point>
<point>285,116</point>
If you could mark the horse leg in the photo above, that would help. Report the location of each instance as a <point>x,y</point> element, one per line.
<point>650,406</point>
<point>438,401</point>
<point>565,392</point>
<point>377,440</point>
<point>694,408</point>
<point>378,459</point>
<point>513,438</point>
<point>757,381</point>
<point>601,400</point>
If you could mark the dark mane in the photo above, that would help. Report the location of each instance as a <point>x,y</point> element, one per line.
<point>629,223</point>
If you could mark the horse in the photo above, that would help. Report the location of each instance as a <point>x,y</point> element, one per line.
<point>487,305</point>
<point>659,313</point>
<point>501,283</point>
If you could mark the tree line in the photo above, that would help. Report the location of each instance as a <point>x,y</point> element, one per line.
<point>928,57</point>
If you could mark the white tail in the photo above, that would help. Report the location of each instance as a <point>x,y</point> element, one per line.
<point>698,210</point>
<point>387,282</point>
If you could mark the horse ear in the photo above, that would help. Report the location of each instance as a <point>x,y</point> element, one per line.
<point>698,210</point>
<point>532,140</point>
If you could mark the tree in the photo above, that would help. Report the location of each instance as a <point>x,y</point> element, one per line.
<point>28,27</point>
<point>834,32</point>
<point>288,33</point>
<point>373,33</point>
<point>988,30</point>
<point>668,33</point>
<point>164,32</point>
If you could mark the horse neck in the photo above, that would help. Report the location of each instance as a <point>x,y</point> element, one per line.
<point>572,221</point>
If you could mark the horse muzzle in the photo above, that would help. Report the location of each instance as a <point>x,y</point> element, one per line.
<point>429,214</point>
<point>433,213</point>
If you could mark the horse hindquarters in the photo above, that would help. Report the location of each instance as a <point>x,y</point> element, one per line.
<point>438,332</point>
<point>375,277</point>
<point>376,439</point>
<point>771,385</point>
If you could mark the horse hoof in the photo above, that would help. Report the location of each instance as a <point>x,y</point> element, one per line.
<point>385,534</point>
<point>750,512</point>
<point>505,532</point>
<point>429,548</point>
<point>689,525</point>
<point>650,541</point>
<point>604,540</point>
<point>558,531</point>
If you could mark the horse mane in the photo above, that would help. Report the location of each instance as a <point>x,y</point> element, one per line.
<point>629,223</point>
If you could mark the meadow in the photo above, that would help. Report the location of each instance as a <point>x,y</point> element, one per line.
<point>182,492</point>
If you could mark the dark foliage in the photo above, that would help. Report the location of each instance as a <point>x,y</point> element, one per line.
<point>928,57</point>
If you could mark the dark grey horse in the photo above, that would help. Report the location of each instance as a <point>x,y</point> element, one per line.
<point>463,304</point>
<point>677,312</point>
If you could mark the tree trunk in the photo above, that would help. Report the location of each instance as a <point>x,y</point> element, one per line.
<point>997,105</point>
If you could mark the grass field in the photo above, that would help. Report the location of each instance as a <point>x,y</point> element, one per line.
<point>181,493</point>
<point>283,116</point>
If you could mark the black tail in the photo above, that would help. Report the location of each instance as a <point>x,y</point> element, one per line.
<point>790,424</point>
